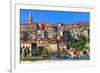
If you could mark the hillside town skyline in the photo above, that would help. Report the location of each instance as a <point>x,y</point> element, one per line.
<point>45,41</point>
<point>53,17</point>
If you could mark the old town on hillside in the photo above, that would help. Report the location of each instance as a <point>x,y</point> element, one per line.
<point>59,41</point>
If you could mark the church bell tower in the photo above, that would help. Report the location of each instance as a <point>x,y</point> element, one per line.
<point>30,18</point>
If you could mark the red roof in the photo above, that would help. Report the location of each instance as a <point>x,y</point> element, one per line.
<point>71,50</point>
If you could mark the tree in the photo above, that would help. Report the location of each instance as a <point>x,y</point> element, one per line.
<point>42,51</point>
<point>80,43</point>
<point>39,50</point>
<point>28,51</point>
<point>25,53</point>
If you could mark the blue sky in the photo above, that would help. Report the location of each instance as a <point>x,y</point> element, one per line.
<point>54,16</point>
